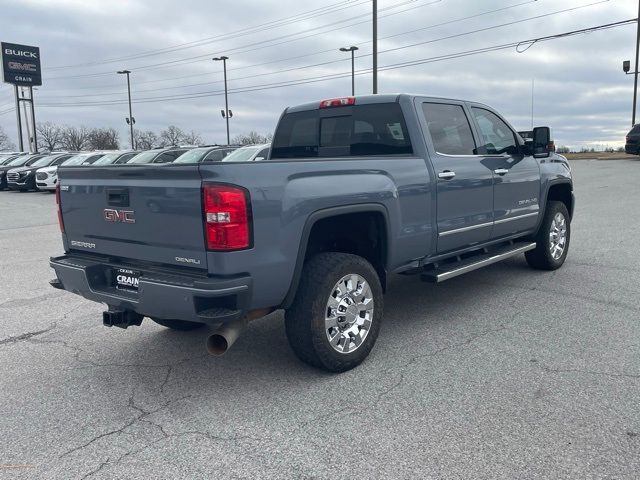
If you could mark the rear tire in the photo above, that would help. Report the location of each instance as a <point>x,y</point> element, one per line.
<point>336,315</point>
<point>552,239</point>
<point>181,325</point>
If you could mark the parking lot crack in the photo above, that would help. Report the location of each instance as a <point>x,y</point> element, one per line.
<point>166,378</point>
<point>26,336</point>
<point>141,415</point>
<point>96,470</point>
<point>465,343</point>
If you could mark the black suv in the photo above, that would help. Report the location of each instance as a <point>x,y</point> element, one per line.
<point>632,145</point>
<point>24,178</point>
<point>21,161</point>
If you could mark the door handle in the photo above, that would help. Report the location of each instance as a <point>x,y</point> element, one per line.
<point>501,171</point>
<point>447,174</point>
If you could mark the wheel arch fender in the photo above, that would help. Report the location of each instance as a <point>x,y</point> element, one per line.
<point>327,213</point>
<point>565,186</point>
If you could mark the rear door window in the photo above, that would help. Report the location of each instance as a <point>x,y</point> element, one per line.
<point>449,129</point>
<point>89,160</point>
<point>361,130</point>
<point>59,160</point>
<point>167,157</point>
<point>125,158</point>
<point>216,155</point>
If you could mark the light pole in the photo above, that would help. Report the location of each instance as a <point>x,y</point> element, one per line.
<point>226,114</point>
<point>626,68</point>
<point>351,49</point>
<point>130,120</point>
<point>635,82</point>
<point>375,46</point>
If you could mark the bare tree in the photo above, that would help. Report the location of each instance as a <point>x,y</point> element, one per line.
<point>103,139</point>
<point>49,136</point>
<point>251,138</point>
<point>171,137</point>
<point>75,139</point>
<point>5,143</point>
<point>192,138</point>
<point>145,140</point>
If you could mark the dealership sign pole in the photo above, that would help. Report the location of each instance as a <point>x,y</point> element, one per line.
<point>21,67</point>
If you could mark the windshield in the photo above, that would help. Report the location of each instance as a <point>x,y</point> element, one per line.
<point>33,160</point>
<point>243,154</point>
<point>144,157</point>
<point>107,159</point>
<point>91,159</point>
<point>18,162</point>
<point>76,160</point>
<point>192,156</point>
<point>44,161</point>
<point>7,160</point>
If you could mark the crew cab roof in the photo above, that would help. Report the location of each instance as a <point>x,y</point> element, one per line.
<point>380,98</point>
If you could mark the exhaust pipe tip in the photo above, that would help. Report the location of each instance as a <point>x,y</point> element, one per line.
<point>217,345</point>
<point>221,340</point>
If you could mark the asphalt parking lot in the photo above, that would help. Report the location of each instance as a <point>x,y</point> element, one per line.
<point>503,373</point>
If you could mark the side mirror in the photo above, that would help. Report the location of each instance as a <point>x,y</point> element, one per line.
<point>258,159</point>
<point>541,142</point>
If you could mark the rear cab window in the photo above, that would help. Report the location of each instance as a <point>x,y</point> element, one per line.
<point>377,129</point>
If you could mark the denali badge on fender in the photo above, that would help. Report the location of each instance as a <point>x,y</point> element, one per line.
<point>122,216</point>
<point>188,260</point>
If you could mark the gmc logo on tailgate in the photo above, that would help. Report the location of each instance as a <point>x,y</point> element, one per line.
<point>119,216</point>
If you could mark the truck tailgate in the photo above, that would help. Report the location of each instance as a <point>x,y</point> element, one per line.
<point>143,213</point>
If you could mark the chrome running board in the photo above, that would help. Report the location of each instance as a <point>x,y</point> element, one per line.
<point>451,270</point>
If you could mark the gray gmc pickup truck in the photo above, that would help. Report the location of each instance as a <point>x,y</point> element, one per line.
<point>354,189</point>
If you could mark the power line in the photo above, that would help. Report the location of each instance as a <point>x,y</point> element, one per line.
<point>331,8</point>
<point>493,27</point>
<point>243,32</point>
<point>257,45</point>
<point>360,72</point>
<point>449,22</point>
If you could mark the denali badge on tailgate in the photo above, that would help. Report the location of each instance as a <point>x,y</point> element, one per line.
<point>122,216</point>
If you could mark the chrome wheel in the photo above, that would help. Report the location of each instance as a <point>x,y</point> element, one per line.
<point>349,313</point>
<point>558,236</point>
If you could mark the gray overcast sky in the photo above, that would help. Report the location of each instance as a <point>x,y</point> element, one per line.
<point>580,89</point>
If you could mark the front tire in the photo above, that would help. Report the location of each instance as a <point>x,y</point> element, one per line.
<point>552,238</point>
<point>181,325</point>
<point>336,315</point>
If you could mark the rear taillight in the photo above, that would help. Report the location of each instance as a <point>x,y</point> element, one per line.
<point>58,204</point>
<point>227,217</point>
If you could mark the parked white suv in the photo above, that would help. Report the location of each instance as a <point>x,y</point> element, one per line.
<point>47,177</point>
